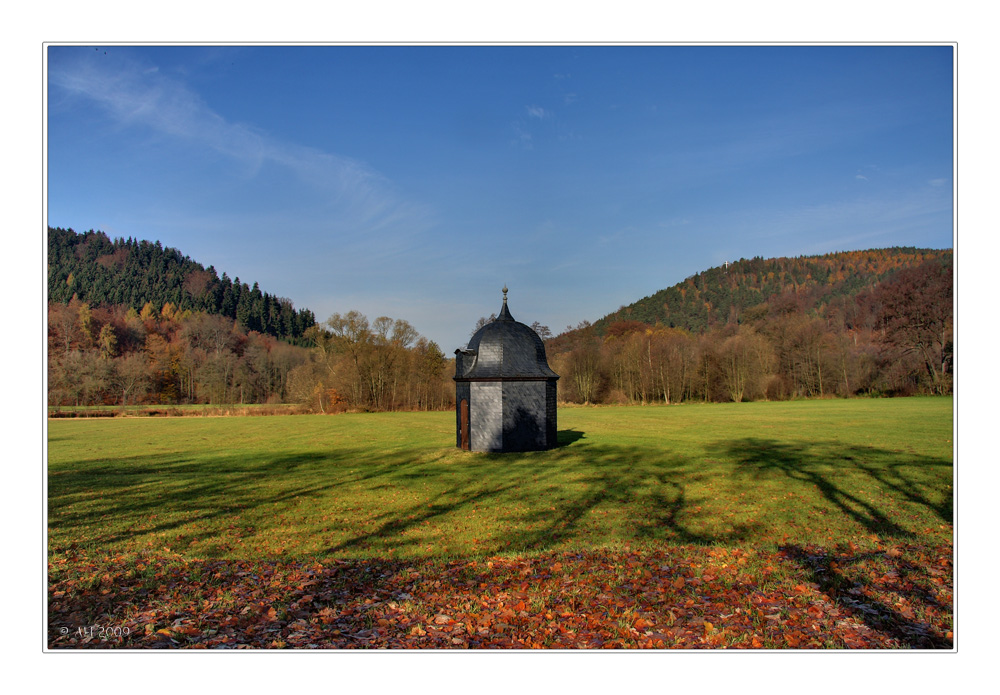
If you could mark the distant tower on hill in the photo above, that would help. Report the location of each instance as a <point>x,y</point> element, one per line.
<point>505,392</point>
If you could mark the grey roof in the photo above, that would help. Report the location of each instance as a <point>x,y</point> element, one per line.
<point>505,348</point>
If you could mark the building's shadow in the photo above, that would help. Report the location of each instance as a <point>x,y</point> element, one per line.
<point>567,437</point>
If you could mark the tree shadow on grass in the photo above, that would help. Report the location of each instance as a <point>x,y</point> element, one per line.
<point>837,473</point>
<point>396,525</point>
<point>639,489</point>
<point>845,578</point>
<point>127,499</point>
<point>581,494</point>
<point>826,469</point>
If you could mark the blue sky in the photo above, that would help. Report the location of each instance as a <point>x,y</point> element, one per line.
<point>415,181</point>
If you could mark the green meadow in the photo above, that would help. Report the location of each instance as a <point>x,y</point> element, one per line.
<point>393,485</point>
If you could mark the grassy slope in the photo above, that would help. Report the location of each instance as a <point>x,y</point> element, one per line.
<point>391,485</point>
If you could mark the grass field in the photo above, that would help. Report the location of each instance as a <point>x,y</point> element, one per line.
<point>820,492</point>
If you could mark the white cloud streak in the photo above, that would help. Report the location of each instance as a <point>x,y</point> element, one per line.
<point>136,96</point>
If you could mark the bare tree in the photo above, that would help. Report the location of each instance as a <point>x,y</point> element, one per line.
<point>130,375</point>
<point>482,322</point>
<point>917,315</point>
<point>745,361</point>
<point>585,370</point>
<point>543,331</point>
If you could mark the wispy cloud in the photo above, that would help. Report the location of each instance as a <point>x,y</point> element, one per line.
<point>866,171</point>
<point>136,95</point>
<point>525,123</point>
<point>522,138</point>
<point>538,112</point>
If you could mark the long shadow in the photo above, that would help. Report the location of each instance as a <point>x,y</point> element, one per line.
<point>671,508</point>
<point>643,488</point>
<point>829,573</point>
<point>198,492</point>
<point>558,493</point>
<point>651,491</point>
<point>821,467</point>
<point>835,472</point>
<point>412,517</point>
<point>894,476</point>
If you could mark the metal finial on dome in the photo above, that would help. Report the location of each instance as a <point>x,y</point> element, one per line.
<point>504,311</point>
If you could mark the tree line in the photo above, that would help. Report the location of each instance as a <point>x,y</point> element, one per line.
<point>891,338</point>
<point>131,322</point>
<point>105,355</point>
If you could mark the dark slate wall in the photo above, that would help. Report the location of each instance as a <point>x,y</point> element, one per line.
<point>551,432</point>
<point>524,410</point>
<point>508,415</point>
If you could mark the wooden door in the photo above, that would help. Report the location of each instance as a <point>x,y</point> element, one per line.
<point>464,426</point>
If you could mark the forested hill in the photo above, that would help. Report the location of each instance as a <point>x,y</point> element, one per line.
<point>99,270</point>
<point>748,289</point>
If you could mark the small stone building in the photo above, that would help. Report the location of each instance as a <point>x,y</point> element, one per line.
<point>505,393</point>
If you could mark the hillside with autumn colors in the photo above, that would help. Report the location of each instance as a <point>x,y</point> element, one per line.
<point>131,322</point>
<point>875,322</point>
<point>134,322</point>
<point>742,291</point>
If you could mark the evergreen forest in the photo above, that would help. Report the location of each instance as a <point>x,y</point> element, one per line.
<point>131,273</point>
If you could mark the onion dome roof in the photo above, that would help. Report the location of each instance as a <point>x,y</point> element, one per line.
<point>505,348</point>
